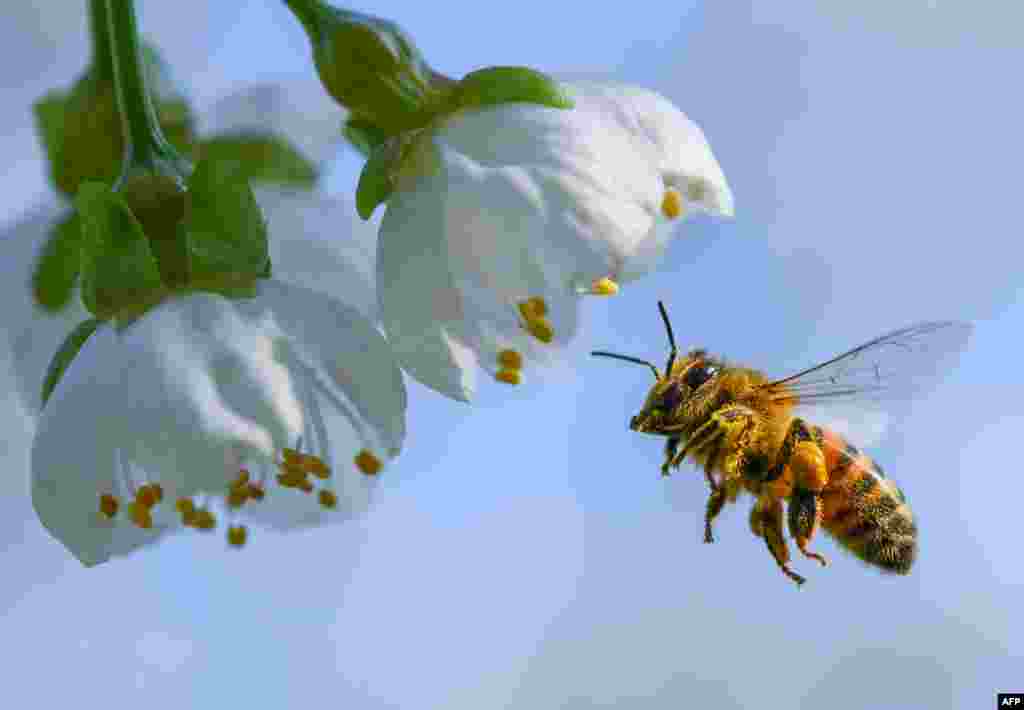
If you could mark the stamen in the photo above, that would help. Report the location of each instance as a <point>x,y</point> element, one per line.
<point>184,505</point>
<point>291,456</point>
<point>204,520</point>
<point>368,463</point>
<point>328,499</point>
<point>243,477</point>
<point>604,287</point>
<point>291,478</point>
<point>237,495</point>
<point>509,377</point>
<point>109,505</point>
<point>237,535</point>
<point>148,495</point>
<point>510,360</point>
<point>316,466</point>
<point>672,203</point>
<point>255,492</point>
<point>306,486</point>
<point>535,307</point>
<point>541,329</point>
<point>139,514</point>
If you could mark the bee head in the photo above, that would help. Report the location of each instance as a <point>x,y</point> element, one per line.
<point>667,402</point>
<point>670,392</point>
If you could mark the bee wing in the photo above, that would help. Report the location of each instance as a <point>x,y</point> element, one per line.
<point>853,392</point>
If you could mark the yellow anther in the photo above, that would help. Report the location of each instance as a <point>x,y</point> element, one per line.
<point>139,514</point>
<point>672,203</point>
<point>604,287</point>
<point>509,377</point>
<point>291,456</point>
<point>184,505</point>
<point>237,535</point>
<point>255,492</point>
<point>158,491</point>
<point>541,329</point>
<point>510,360</point>
<point>292,479</point>
<point>243,478</point>
<point>237,496</point>
<point>204,520</point>
<point>189,518</point>
<point>368,463</point>
<point>535,307</point>
<point>148,495</point>
<point>328,499</point>
<point>294,467</point>
<point>306,486</point>
<point>316,466</point>
<point>109,505</point>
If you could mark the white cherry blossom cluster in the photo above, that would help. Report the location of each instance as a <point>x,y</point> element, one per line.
<point>281,407</point>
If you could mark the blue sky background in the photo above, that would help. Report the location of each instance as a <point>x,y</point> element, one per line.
<point>524,553</point>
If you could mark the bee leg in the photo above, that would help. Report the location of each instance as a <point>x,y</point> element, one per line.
<point>706,432</point>
<point>804,516</point>
<point>766,522</point>
<point>710,464</point>
<point>671,446</point>
<point>801,451</point>
<point>733,419</point>
<point>716,501</point>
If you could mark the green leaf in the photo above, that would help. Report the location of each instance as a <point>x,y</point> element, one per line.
<point>363,135</point>
<point>263,158</point>
<point>502,85</point>
<point>66,353</point>
<point>375,181</point>
<point>226,230</point>
<point>118,270</point>
<point>49,114</point>
<point>56,269</point>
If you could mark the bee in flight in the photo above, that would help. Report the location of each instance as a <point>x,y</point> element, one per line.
<point>747,432</point>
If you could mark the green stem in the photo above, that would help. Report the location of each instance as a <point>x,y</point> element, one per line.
<point>99,28</point>
<point>144,138</point>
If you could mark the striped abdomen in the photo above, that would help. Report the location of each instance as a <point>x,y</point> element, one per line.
<point>863,510</point>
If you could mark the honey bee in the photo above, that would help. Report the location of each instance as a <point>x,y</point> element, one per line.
<point>747,432</point>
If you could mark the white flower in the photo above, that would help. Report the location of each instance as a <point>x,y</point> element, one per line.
<point>33,335</point>
<point>501,217</point>
<point>211,412</point>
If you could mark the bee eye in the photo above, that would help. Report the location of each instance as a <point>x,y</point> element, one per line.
<point>698,375</point>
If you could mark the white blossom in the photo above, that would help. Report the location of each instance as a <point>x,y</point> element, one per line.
<point>210,412</point>
<point>503,216</point>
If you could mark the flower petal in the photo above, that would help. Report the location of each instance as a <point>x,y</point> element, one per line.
<point>420,305</point>
<point>319,242</point>
<point>603,168</point>
<point>200,379</point>
<point>341,346</point>
<point>75,460</point>
<point>32,335</point>
<point>686,159</point>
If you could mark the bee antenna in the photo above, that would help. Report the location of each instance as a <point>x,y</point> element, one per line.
<point>671,340</point>
<point>627,358</point>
